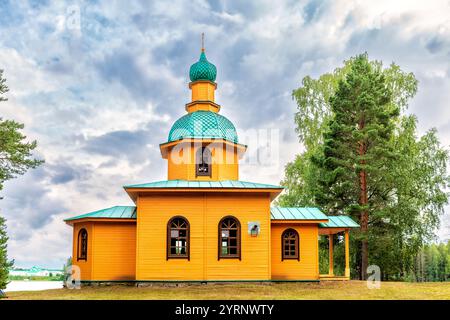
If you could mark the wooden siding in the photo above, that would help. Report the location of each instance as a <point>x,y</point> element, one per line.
<point>111,251</point>
<point>202,106</point>
<point>307,268</point>
<point>255,251</point>
<point>203,91</point>
<point>114,251</point>
<point>181,162</point>
<point>203,211</point>
<point>85,266</point>
<point>137,251</point>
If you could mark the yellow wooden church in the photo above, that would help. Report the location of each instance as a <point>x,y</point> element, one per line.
<point>203,223</point>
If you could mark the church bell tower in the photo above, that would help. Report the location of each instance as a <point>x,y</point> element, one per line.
<point>203,144</point>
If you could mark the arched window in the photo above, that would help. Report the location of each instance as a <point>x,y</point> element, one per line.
<point>290,242</point>
<point>229,238</point>
<point>82,248</point>
<point>178,238</point>
<point>203,162</point>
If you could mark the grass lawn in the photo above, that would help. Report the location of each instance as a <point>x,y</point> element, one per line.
<point>323,290</point>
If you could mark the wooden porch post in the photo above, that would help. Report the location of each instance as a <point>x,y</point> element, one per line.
<point>347,254</point>
<point>330,255</point>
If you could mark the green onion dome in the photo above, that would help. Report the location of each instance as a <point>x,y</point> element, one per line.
<point>203,70</point>
<point>203,125</point>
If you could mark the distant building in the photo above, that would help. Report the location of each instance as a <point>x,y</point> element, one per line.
<point>35,272</point>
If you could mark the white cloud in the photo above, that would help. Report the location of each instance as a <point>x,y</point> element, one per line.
<point>19,68</point>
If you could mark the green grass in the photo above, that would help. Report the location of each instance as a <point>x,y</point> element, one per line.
<point>323,290</point>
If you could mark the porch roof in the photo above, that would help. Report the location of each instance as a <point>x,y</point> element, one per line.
<point>339,222</point>
<point>282,213</point>
<point>304,213</point>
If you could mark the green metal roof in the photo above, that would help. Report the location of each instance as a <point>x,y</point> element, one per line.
<point>279,213</point>
<point>117,212</point>
<point>203,70</point>
<point>339,222</point>
<point>226,184</point>
<point>276,213</point>
<point>204,125</point>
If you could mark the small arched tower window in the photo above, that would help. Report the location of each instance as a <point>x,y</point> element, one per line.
<point>82,245</point>
<point>290,241</point>
<point>203,162</point>
<point>178,238</point>
<point>229,238</point>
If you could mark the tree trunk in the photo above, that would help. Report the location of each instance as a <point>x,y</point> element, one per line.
<point>364,215</point>
<point>364,219</point>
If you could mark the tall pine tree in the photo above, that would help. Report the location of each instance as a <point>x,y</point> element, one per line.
<point>15,159</point>
<point>5,264</point>
<point>356,148</point>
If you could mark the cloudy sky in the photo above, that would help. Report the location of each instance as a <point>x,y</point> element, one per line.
<point>99,83</point>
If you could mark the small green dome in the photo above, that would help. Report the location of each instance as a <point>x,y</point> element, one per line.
<point>203,70</point>
<point>203,124</point>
